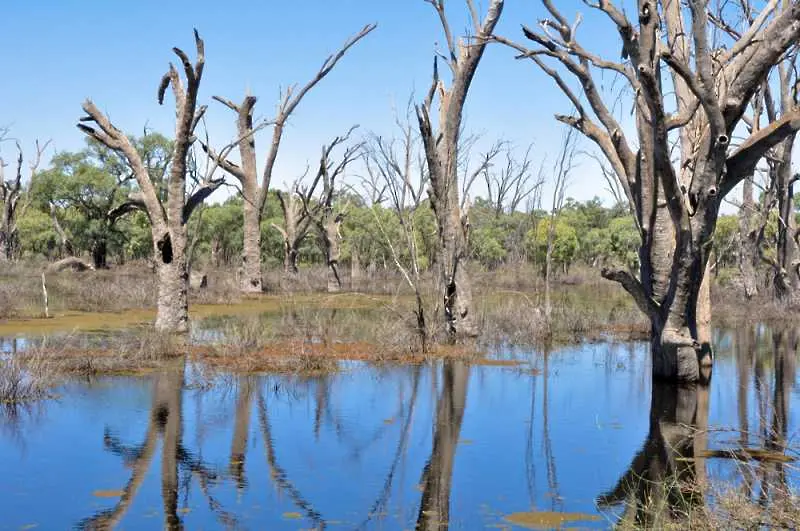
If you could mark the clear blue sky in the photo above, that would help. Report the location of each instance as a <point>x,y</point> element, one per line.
<point>56,53</point>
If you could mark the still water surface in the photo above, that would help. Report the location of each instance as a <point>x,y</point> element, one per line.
<point>396,447</point>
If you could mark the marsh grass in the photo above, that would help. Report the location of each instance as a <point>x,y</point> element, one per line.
<point>25,378</point>
<point>85,355</point>
<point>754,493</point>
<point>518,318</point>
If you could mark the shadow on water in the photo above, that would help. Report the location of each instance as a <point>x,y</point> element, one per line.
<point>570,438</point>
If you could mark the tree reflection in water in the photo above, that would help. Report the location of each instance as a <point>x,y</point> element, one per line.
<point>661,482</point>
<point>437,476</point>
<point>165,421</point>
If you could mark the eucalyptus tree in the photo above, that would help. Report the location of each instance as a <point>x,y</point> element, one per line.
<point>255,190</point>
<point>13,200</point>
<point>168,213</point>
<point>441,143</point>
<point>688,89</point>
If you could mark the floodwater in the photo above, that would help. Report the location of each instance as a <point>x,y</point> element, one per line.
<point>574,438</point>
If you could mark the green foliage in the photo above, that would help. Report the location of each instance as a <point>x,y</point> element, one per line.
<point>726,240</point>
<point>36,233</point>
<point>565,243</point>
<point>624,242</point>
<point>221,231</point>
<point>89,192</point>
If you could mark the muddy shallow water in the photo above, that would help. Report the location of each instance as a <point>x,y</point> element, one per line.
<point>571,438</point>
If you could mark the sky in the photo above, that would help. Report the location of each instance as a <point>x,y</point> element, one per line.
<point>57,53</point>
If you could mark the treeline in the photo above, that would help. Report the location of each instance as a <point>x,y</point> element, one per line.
<point>80,206</point>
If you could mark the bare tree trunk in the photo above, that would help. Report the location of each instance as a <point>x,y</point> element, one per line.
<point>703,318</point>
<point>355,271</point>
<point>296,222</point>
<point>328,219</point>
<point>786,279</point>
<point>748,241</point>
<point>251,251</point>
<point>11,193</point>
<point>173,283</point>
<point>254,191</point>
<point>442,155</point>
<point>720,79</point>
<point>331,238</point>
<point>168,218</point>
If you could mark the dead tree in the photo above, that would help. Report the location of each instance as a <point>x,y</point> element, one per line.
<point>322,212</point>
<point>562,171</point>
<point>676,208</point>
<point>11,193</point>
<point>749,233</point>
<point>296,225</point>
<point>169,217</point>
<point>786,278</point>
<point>395,172</point>
<point>511,184</point>
<point>442,154</point>
<point>254,192</point>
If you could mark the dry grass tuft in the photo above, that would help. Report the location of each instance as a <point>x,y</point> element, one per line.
<point>25,378</point>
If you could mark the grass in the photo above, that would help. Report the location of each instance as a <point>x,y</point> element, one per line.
<point>25,378</point>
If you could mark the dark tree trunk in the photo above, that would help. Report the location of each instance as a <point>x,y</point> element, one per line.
<point>100,254</point>
<point>662,480</point>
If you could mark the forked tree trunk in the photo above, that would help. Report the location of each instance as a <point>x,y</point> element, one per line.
<point>290,253</point>
<point>254,190</point>
<point>442,157</point>
<point>168,217</point>
<point>748,241</point>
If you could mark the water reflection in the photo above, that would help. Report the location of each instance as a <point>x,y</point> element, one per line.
<point>576,434</point>
<point>766,367</point>
<point>664,478</point>
<point>437,476</point>
<point>166,424</point>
